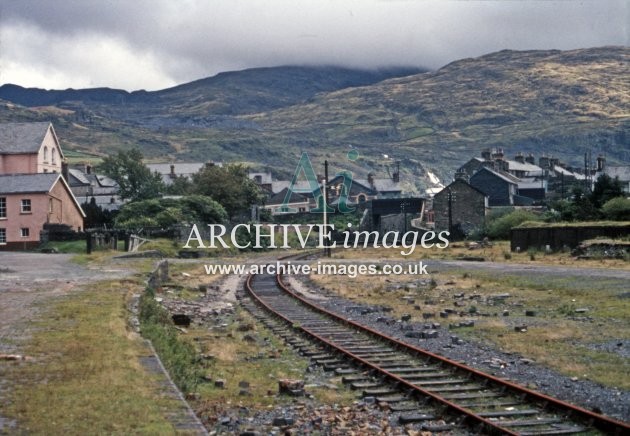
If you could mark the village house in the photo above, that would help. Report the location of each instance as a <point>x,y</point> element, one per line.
<point>297,203</point>
<point>460,207</point>
<point>621,172</point>
<point>99,189</point>
<point>33,191</point>
<point>171,171</point>
<point>361,191</point>
<point>28,201</point>
<point>500,187</point>
<point>29,148</point>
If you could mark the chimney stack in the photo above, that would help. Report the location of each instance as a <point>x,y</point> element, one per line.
<point>462,175</point>
<point>65,172</point>
<point>88,169</point>
<point>485,154</point>
<point>370,179</point>
<point>519,158</point>
<point>543,162</point>
<point>172,174</point>
<point>497,154</point>
<point>530,159</point>
<point>396,173</point>
<point>601,163</point>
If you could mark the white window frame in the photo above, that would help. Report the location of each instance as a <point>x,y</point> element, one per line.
<point>3,207</point>
<point>3,236</point>
<point>25,232</point>
<point>23,204</point>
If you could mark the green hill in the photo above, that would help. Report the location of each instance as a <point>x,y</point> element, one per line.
<point>557,102</point>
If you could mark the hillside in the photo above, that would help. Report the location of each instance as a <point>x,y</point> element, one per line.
<point>231,93</point>
<point>562,103</point>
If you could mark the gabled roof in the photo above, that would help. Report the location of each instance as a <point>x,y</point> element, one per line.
<point>79,176</point>
<point>502,175</point>
<point>27,183</point>
<point>18,138</point>
<point>462,182</point>
<point>279,198</point>
<point>356,185</point>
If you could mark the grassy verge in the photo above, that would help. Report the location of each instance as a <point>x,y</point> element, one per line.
<point>178,356</point>
<point>85,377</point>
<point>235,349</point>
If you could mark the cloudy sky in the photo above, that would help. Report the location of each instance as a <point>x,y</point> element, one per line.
<point>154,44</point>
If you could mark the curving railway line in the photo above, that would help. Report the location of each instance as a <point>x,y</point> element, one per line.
<point>419,385</point>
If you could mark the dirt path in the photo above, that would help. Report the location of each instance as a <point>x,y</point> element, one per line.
<point>29,279</point>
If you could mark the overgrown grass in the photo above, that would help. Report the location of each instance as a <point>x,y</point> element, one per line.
<point>85,377</point>
<point>179,356</point>
<point>76,247</point>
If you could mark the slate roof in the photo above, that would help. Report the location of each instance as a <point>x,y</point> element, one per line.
<point>27,183</point>
<point>514,165</point>
<point>559,170</point>
<point>461,182</point>
<point>502,175</point>
<point>79,176</point>
<point>279,185</point>
<point>181,168</point>
<point>265,178</point>
<point>279,198</point>
<point>381,185</point>
<point>623,172</point>
<point>17,138</point>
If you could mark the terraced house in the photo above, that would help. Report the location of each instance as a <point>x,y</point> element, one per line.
<point>33,191</point>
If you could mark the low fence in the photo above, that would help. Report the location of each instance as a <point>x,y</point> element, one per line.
<point>559,237</point>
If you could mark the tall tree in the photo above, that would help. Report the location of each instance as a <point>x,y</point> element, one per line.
<point>606,188</point>
<point>135,179</point>
<point>229,185</point>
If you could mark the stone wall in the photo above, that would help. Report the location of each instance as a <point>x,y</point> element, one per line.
<point>468,208</point>
<point>559,237</point>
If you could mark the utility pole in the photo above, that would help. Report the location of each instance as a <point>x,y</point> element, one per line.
<point>326,248</point>
<point>450,210</point>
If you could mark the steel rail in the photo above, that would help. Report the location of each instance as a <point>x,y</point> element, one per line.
<point>601,422</point>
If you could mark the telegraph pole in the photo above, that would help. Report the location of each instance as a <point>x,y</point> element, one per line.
<point>327,250</point>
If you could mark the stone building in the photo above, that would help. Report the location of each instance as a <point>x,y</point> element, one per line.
<point>459,208</point>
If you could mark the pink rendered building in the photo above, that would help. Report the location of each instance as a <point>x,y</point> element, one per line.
<point>32,189</point>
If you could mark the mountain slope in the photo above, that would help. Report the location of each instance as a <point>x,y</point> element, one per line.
<point>539,101</point>
<point>558,102</point>
<point>231,93</point>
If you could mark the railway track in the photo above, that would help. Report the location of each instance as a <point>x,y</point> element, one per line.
<point>421,386</point>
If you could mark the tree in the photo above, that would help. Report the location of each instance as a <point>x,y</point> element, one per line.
<point>96,216</point>
<point>228,185</point>
<point>167,212</point>
<point>181,185</point>
<point>135,179</point>
<point>500,227</point>
<point>617,209</point>
<point>605,188</point>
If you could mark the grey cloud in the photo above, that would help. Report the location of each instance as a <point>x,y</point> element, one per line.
<point>193,39</point>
